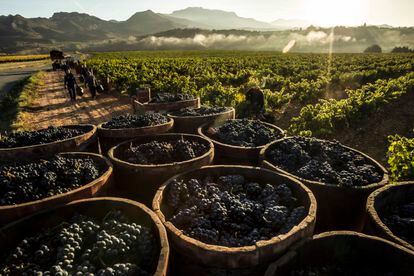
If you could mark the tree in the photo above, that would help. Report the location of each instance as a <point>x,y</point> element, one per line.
<point>373,49</point>
<point>404,49</point>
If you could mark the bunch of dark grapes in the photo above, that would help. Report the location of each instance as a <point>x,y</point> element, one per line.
<point>136,121</point>
<point>47,135</point>
<point>157,152</point>
<point>341,270</point>
<point>400,219</point>
<point>85,246</point>
<point>202,111</point>
<point>246,133</point>
<point>169,97</point>
<point>231,210</point>
<point>323,161</point>
<point>26,182</point>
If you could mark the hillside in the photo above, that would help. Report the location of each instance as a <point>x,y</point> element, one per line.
<point>218,19</point>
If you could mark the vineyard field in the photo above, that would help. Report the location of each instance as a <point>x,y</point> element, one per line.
<point>308,94</point>
<point>22,58</point>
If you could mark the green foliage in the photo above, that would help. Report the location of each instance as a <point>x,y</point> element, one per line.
<point>401,158</point>
<point>327,116</point>
<point>291,77</point>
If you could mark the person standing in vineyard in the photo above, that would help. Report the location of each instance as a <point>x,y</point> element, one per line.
<point>255,103</point>
<point>70,84</point>
<point>91,82</point>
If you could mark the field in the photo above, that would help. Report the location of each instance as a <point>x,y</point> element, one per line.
<point>340,96</point>
<point>22,58</point>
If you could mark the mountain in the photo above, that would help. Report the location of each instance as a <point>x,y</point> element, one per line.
<point>218,19</point>
<point>16,30</point>
<point>147,22</point>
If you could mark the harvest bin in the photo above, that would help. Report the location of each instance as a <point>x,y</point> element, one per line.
<point>12,234</point>
<point>85,142</point>
<point>198,257</point>
<point>349,249</point>
<point>95,188</point>
<point>230,154</point>
<point>339,208</point>
<point>109,138</point>
<point>382,199</point>
<point>140,182</point>
<point>190,124</point>
<point>141,108</point>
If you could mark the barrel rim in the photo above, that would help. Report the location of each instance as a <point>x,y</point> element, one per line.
<point>162,233</point>
<point>105,130</point>
<point>327,235</point>
<point>374,216</point>
<point>384,181</point>
<point>106,174</point>
<point>201,132</point>
<point>228,110</point>
<point>90,132</point>
<point>116,160</point>
<point>195,100</point>
<point>308,220</point>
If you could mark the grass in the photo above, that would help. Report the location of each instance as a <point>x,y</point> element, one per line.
<point>20,98</point>
<point>22,58</point>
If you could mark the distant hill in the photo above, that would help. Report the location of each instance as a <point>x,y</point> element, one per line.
<point>147,22</point>
<point>220,20</point>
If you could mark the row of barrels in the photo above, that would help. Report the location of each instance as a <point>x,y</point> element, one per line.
<point>324,204</point>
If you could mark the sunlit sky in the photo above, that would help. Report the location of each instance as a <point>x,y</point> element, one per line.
<point>319,12</point>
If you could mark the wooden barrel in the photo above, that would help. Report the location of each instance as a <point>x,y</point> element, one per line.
<point>377,203</point>
<point>97,187</point>
<point>339,208</point>
<point>207,255</point>
<point>230,154</point>
<point>140,182</point>
<point>190,124</point>
<point>85,142</point>
<point>109,138</point>
<point>97,208</point>
<point>348,249</point>
<point>164,107</point>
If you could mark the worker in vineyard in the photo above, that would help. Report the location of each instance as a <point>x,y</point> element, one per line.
<point>255,103</point>
<point>84,74</point>
<point>70,84</point>
<point>91,82</point>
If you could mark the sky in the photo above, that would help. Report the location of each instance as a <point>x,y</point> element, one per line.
<point>318,12</point>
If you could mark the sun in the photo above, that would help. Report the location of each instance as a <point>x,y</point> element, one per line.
<point>337,12</point>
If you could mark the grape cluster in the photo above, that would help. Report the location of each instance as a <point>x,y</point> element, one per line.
<point>169,98</point>
<point>323,161</point>
<point>246,133</point>
<point>231,210</point>
<point>341,270</point>
<point>136,121</point>
<point>47,135</point>
<point>157,152</point>
<point>24,182</point>
<point>202,111</point>
<point>400,219</point>
<point>85,246</point>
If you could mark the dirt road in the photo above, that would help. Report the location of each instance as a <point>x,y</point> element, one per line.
<point>53,107</point>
